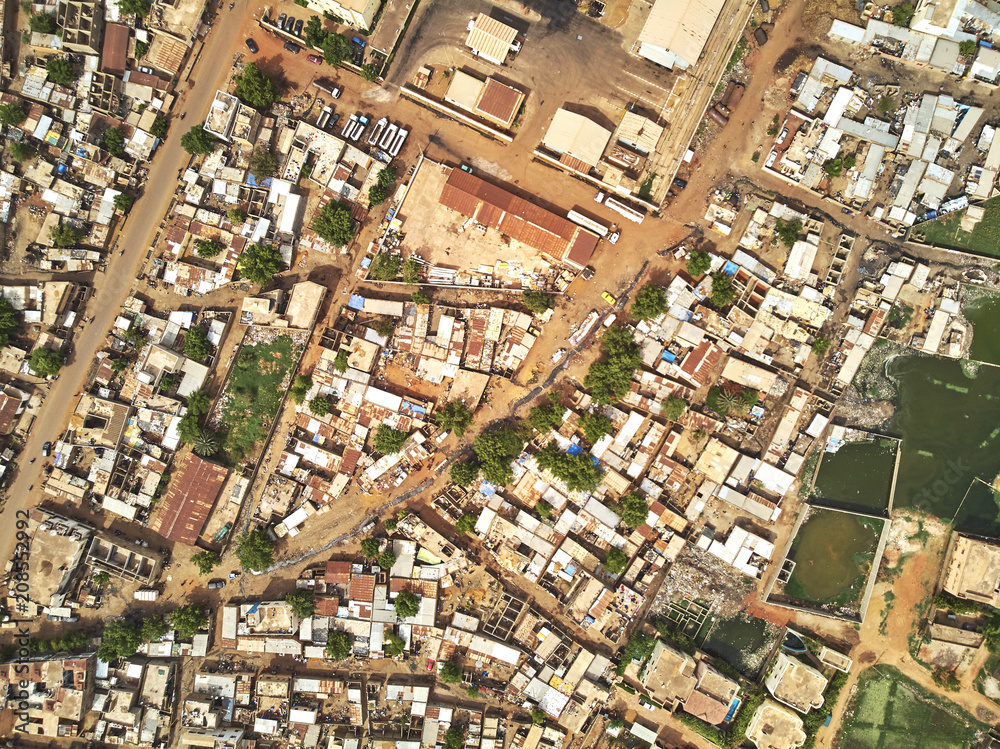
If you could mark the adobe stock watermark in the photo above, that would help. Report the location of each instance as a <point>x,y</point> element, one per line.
<point>956,473</point>
<point>19,592</point>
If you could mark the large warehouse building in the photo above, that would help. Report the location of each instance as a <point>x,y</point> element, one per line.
<point>676,31</point>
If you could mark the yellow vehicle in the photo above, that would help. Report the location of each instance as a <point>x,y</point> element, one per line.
<point>608,298</point>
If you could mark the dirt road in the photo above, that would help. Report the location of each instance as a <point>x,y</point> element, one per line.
<point>112,287</point>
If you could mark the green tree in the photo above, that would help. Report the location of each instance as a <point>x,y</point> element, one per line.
<point>634,510</point>
<point>370,547</point>
<point>390,525</point>
<point>834,167</point>
<point>537,716</point>
<point>473,693</point>
<point>420,298</point>
<point>42,23</point>
<point>388,440</point>
<point>207,443</point>
<point>236,215</point>
<point>386,177</point>
<point>902,15</point>
<point>123,202</point>
<point>21,151</point>
<point>339,645</point>
<point>548,415</point>
<point>255,550</point>
<point>386,559</point>
<point>141,48</point>
<point>376,195</point>
<point>594,426</point>
<point>197,345</point>
<point>120,640</point>
<point>114,141</point>
<point>455,417</point>
<point>259,263</point>
<point>119,364</point>
<point>577,471</point>
<point>255,88</point>
<point>723,293</point>
<point>102,578</point>
<point>454,737</point>
<point>699,263</point>
<point>154,629</point>
<point>263,164</point>
<point>384,267</point>
<point>60,71</point>
<point>188,620</point>
<point>394,644</point>
<point>616,723</point>
<point>168,382</point>
<point>649,303</point>
<point>314,33</point>
<point>46,362</point>
<point>672,407</point>
<point>450,673</point>
<point>159,127</point>
<point>464,472</point>
<point>319,406</point>
<point>538,302</point>
<point>10,322</point>
<point>788,231</point>
<point>544,509</point>
<point>303,603</point>
<point>406,604</point>
<point>968,47</point>
<point>821,345</point>
<point>198,140</point>
<point>495,450</point>
<point>411,270</point>
<point>334,223</point>
<point>369,71</point>
<point>205,561</point>
<point>209,248</point>
<point>615,561</point>
<point>137,8</point>
<point>198,403</point>
<point>302,385</point>
<point>67,235</point>
<point>611,378</point>
<point>465,524</point>
<point>383,326</point>
<point>336,48</point>
<point>340,363</point>
<point>11,115</point>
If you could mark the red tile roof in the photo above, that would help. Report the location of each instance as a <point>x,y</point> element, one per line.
<point>190,499</point>
<point>363,588</point>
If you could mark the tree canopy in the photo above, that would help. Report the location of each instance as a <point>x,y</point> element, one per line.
<point>188,620</point>
<point>649,303</point>
<point>334,223</point>
<point>615,561</point>
<point>42,23</point>
<point>314,32</point>
<point>698,263</point>
<point>455,417</point>
<point>723,293</point>
<point>450,673</point>
<point>406,605</point>
<point>197,345</point>
<point>60,71</point>
<point>537,302</point>
<point>120,640</point>
<point>594,426</point>
<point>466,523</point>
<point>902,15</point>
<point>255,550</point>
<point>319,406</point>
<point>198,140</point>
<point>159,127</point>
<point>67,235</point>
<point>262,164</point>
<point>548,415</point>
<point>634,510</point>
<point>611,377</point>
<point>788,231</point>
<point>137,8</point>
<point>205,561</point>
<point>123,202</point>
<point>114,141</point>
<point>21,151</point>
<point>336,48</point>
<point>386,559</point>
<point>577,471</point>
<point>370,547</point>
<point>495,450</point>
<point>209,248</point>
<point>10,322</point>
<point>301,386</point>
<point>303,602</point>
<point>255,88</point>
<point>672,407</point>
<point>339,645</point>
<point>46,362</point>
<point>259,263</point>
<point>12,115</point>
<point>388,440</point>
<point>464,472</point>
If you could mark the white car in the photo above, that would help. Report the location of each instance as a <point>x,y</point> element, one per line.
<point>771,157</point>
<point>784,134</point>
<point>613,237</point>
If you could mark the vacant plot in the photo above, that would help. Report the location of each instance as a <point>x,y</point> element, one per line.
<point>891,711</point>
<point>947,231</point>
<point>256,386</point>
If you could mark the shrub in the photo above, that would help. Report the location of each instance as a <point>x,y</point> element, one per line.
<point>384,267</point>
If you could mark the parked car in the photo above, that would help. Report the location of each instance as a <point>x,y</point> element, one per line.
<point>292,47</point>
<point>289,23</point>
<point>608,298</point>
<point>252,46</point>
<point>298,28</point>
<point>359,55</point>
<point>681,183</point>
<point>147,70</point>
<point>336,93</point>
<point>46,449</point>
<point>466,168</point>
<point>315,59</point>
<point>613,237</point>
<point>846,211</point>
<point>770,158</point>
<point>784,134</point>
<point>281,21</point>
<point>216,584</point>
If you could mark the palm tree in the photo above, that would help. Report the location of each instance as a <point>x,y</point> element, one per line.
<point>119,364</point>
<point>207,443</point>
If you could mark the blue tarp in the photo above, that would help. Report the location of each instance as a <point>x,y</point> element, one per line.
<point>575,450</point>
<point>487,489</point>
<point>254,183</point>
<point>356,302</point>
<point>730,268</point>
<point>669,356</point>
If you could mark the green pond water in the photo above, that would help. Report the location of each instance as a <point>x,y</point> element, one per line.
<point>743,641</point>
<point>984,315</point>
<point>832,553</point>
<point>950,426</point>
<point>858,476</point>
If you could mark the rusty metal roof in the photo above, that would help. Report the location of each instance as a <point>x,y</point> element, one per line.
<point>499,101</point>
<point>190,499</point>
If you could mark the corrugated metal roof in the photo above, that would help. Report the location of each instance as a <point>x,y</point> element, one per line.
<point>490,38</point>
<point>190,499</point>
<point>577,136</point>
<point>681,26</point>
<point>114,50</point>
<point>499,101</point>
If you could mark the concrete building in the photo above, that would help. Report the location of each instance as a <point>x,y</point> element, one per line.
<point>775,727</point>
<point>675,32</point>
<point>58,695</point>
<point>222,116</point>
<point>579,141</point>
<point>669,675</point>
<point>82,24</point>
<point>360,14</point>
<point>12,404</point>
<point>213,738</point>
<point>489,99</point>
<point>304,304</point>
<point>795,684</point>
<point>972,571</point>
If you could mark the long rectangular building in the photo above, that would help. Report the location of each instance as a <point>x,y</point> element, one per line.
<point>515,217</point>
<point>190,499</point>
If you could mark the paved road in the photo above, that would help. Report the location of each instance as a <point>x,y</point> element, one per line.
<point>113,287</point>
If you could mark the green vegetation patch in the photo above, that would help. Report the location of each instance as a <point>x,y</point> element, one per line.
<point>947,231</point>
<point>253,394</point>
<point>889,710</point>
